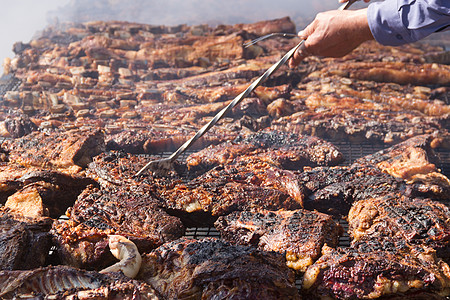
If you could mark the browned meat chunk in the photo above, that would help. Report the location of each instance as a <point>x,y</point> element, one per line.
<point>375,268</point>
<point>299,234</point>
<point>246,185</point>
<point>62,282</point>
<point>68,150</point>
<point>213,269</point>
<point>24,242</point>
<point>333,189</point>
<point>16,127</point>
<point>83,240</point>
<point>415,220</point>
<point>291,151</point>
<point>56,191</point>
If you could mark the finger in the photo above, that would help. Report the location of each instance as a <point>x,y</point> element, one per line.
<point>298,56</point>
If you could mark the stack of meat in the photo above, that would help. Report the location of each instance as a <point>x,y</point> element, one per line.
<point>95,97</point>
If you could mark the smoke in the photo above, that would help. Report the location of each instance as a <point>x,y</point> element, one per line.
<point>175,12</point>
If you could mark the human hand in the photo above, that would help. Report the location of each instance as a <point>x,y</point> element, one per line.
<point>333,34</point>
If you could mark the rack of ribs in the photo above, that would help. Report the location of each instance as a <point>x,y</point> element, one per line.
<point>290,151</point>
<point>24,242</point>
<point>59,282</point>
<point>82,241</point>
<point>373,268</point>
<point>299,234</point>
<point>209,268</point>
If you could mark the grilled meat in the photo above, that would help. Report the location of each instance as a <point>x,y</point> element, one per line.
<point>248,184</point>
<point>415,220</point>
<point>333,189</point>
<point>83,240</point>
<point>213,269</point>
<point>62,282</point>
<point>24,242</point>
<point>290,151</point>
<point>414,161</point>
<point>68,150</point>
<point>59,190</point>
<point>375,268</point>
<point>398,72</point>
<point>299,234</point>
<point>15,127</point>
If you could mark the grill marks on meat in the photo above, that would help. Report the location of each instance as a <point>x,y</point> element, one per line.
<point>290,151</point>
<point>68,150</point>
<point>246,185</point>
<point>66,282</point>
<point>417,221</point>
<point>24,242</point>
<point>97,213</point>
<point>211,268</point>
<point>413,160</point>
<point>117,168</point>
<point>375,268</point>
<point>333,189</point>
<point>299,234</point>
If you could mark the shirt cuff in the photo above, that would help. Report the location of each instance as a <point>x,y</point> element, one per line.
<point>385,23</point>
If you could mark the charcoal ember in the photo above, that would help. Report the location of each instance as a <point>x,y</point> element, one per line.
<point>416,220</point>
<point>60,282</point>
<point>299,234</point>
<point>83,240</point>
<point>24,242</point>
<point>211,268</point>
<point>69,150</point>
<point>290,151</point>
<point>377,268</point>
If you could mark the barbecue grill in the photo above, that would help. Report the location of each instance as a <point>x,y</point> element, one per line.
<point>350,150</point>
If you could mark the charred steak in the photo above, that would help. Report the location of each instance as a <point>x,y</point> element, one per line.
<point>213,269</point>
<point>418,221</point>
<point>375,268</point>
<point>24,242</point>
<point>68,150</point>
<point>299,234</point>
<point>83,240</point>
<point>290,151</point>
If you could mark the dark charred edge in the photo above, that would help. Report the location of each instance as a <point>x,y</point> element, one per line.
<point>193,219</point>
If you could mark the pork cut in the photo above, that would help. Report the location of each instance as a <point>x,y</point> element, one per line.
<point>299,234</point>
<point>213,269</point>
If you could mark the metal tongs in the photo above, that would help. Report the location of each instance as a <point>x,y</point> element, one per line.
<point>164,165</point>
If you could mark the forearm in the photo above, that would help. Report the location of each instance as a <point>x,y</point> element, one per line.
<point>397,22</point>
